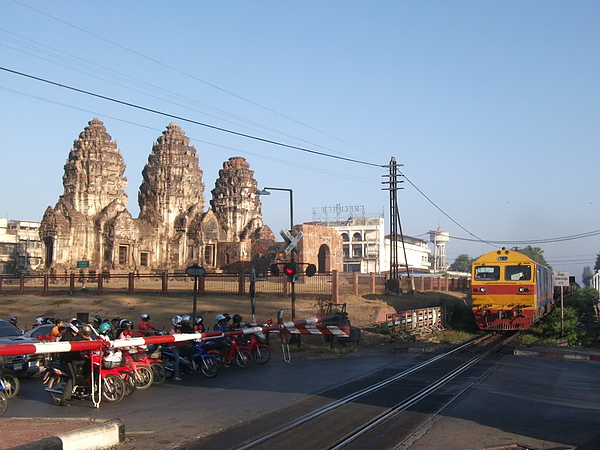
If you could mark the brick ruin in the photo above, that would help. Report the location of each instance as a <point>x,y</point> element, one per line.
<point>91,222</point>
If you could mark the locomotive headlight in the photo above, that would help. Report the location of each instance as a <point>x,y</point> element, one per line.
<point>523,289</point>
<point>481,289</point>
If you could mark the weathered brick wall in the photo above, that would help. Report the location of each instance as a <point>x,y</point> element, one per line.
<point>324,241</point>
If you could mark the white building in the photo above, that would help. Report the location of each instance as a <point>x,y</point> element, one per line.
<point>20,246</point>
<point>367,249</point>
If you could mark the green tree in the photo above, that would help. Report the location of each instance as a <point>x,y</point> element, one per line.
<point>535,253</point>
<point>462,263</point>
<point>586,276</point>
<point>597,265</point>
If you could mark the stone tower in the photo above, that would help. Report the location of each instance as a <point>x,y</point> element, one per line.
<point>238,210</point>
<point>235,202</point>
<point>171,193</point>
<point>94,194</point>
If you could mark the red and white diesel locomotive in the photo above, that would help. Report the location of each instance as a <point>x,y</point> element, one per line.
<point>510,291</point>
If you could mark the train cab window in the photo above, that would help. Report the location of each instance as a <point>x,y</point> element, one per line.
<point>487,273</point>
<point>516,273</point>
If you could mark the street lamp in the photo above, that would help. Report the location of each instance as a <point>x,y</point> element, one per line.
<point>265,191</point>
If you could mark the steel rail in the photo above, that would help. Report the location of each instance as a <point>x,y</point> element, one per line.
<point>360,393</point>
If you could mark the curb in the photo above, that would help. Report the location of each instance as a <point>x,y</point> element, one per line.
<point>101,436</point>
<point>558,355</point>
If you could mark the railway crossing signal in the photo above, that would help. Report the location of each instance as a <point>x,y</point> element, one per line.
<point>290,269</point>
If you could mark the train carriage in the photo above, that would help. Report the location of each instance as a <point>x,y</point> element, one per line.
<point>510,291</point>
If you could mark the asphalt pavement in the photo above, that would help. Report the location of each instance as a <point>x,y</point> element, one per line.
<point>541,398</point>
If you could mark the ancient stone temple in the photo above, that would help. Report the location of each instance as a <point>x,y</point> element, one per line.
<point>91,222</point>
<point>94,199</point>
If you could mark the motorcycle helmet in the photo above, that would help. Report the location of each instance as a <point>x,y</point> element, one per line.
<point>107,320</point>
<point>237,318</point>
<point>86,330</point>
<point>97,320</point>
<point>13,320</point>
<point>227,317</point>
<point>186,320</point>
<point>72,328</point>
<point>177,321</point>
<point>219,318</point>
<point>125,324</point>
<point>199,320</point>
<point>39,321</point>
<point>104,327</point>
<point>145,317</point>
<point>77,323</point>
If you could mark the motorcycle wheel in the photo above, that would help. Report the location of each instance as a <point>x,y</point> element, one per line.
<point>3,402</point>
<point>130,385</point>
<point>11,384</point>
<point>58,384</point>
<point>261,355</point>
<point>209,367</point>
<point>143,377</point>
<point>243,357</point>
<point>159,372</point>
<point>113,388</point>
<point>168,364</point>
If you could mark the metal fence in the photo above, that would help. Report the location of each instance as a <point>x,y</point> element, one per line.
<point>333,285</point>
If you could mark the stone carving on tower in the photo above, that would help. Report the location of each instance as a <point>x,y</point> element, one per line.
<point>171,194</point>
<point>94,195</point>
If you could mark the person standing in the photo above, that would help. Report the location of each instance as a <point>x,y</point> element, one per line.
<point>175,346</point>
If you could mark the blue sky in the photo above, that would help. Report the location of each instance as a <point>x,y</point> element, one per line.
<point>492,107</point>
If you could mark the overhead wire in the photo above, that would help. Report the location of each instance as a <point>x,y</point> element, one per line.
<point>184,119</point>
<point>181,72</point>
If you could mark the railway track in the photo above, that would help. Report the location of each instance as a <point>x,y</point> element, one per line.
<point>385,410</point>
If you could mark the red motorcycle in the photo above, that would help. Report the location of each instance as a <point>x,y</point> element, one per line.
<point>259,348</point>
<point>101,382</point>
<point>238,352</point>
<point>139,365</point>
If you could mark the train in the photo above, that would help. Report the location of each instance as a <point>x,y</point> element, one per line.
<point>510,291</point>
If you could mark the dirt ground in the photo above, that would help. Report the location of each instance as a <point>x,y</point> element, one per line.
<point>363,311</point>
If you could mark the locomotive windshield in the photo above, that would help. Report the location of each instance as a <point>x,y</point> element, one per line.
<point>520,272</point>
<point>487,273</point>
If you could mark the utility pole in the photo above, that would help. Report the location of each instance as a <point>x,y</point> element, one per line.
<point>394,184</point>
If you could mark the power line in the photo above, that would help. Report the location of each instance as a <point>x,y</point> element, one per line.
<point>537,241</point>
<point>141,55</point>
<point>206,125</point>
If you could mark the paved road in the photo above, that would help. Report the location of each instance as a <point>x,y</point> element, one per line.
<point>546,403</point>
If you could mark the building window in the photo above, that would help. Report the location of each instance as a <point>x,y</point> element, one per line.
<point>123,254</point>
<point>357,251</point>
<point>190,252</point>
<point>144,259</point>
<point>356,237</point>
<point>209,254</point>
<point>345,237</point>
<point>346,251</point>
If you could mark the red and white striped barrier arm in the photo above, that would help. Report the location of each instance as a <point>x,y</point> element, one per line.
<point>306,326</point>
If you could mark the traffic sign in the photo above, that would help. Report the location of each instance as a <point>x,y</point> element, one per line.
<point>291,239</point>
<point>83,264</point>
<point>195,271</point>
<point>561,278</point>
